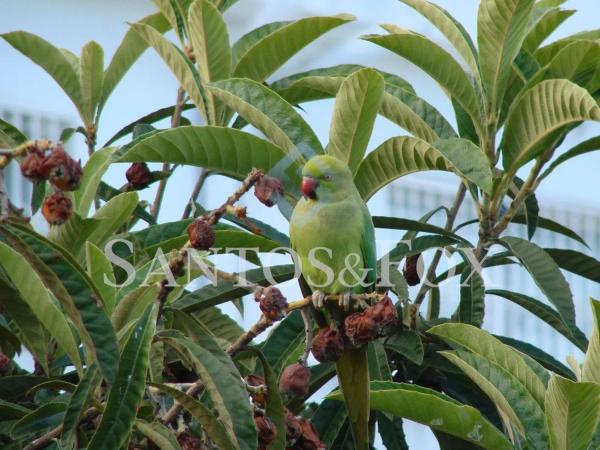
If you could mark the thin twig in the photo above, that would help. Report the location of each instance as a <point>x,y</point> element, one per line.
<point>204,173</point>
<point>44,440</point>
<point>3,199</point>
<point>308,333</point>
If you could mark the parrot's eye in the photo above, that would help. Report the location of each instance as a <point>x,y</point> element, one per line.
<point>327,177</point>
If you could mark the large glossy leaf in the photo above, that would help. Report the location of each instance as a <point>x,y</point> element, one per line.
<point>207,322</point>
<point>471,308</point>
<point>250,39</point>
<point>46,416</point>
<point>546,274</point>
<point>591,364</point>
<point>113,215</point>
<point>181,68</point>
<point>396,223</point>
<point>576,262</point>
<point>222,383</point>
<point>435,410</point>
<point>283,342</point>
<point>92,174</point>
<point>449,27</point>
<point>52,60</point>
<point>437,63</point>
<point>551,225</point>
<point>329,419</point>
<point>572,411</point>
<point>501,29</point>
<point>91,74</point>
<point>32,290</point>
<point>589,145</point>
<point>127,391</point>
<point>484,344</point>
<point>507,393</point>
<point>577,62</point>
<point>231,152</point>
<point>408,344</point>
<point>543,109</point>
<point>130,49</point>
<point>209,422</point>
<point>544,26</point>
<point>100,270</point>
<point>164,438</point>
<point>545,313</point>
<point>400,156</point>
<point>269,53</point>
<point>354,113</point>
<point>267,111</point>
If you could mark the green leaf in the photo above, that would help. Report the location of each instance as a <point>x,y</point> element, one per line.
<point>91,75</point>
<point>437,63</point>
<point>100,271</point>
<point>576,262</point>
<point>591,364</point>
<point>471,308</point>
<point>354,113</point>
<point>250,39</point>
<point>77,406</point>
<point>572,411</point>
<point>267,111</point>
<point>543,109</point>
<point>544,27</point>
<point>507,393</point>
<point>589,145</point>
<point>551,225</point>
<point>391,431</point>
<point>46,416</point>
<point>272,51</point>
<point>93,171</point>
<point>501,29</point>
<point>32,290</point>
<point>10,136</point>
<point>231,152</point>
<point>113,215</point>
<point>400,156</point>
<point>127,391</point>
<point>546,274</point>
<point>52,60</point>
<point>129,50</point>
<point>436,411</point>
<point>328,420</point>
<point>72,234</point>
<point>163,437</point>
<point>283,342</point>
<point>396,223</point>
<point>545,313</point>
<point>484,344</point>
<point>449,27</point>
<point>222,383</point>
<point>577,62</point>
<point>209,422</point>
<point>207,322</point>
<point>176,61</point>
<point>408,344</point>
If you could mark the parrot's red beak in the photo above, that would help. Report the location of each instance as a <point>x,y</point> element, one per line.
<point>309,187</point>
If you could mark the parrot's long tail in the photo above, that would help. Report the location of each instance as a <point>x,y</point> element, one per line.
<point>353,375</point>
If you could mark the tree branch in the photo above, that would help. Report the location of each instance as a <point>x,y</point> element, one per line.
<point>204,173</point>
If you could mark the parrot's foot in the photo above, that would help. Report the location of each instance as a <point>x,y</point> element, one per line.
<point>362,304</point>
<point>345,299</point>
<point>318,299</point>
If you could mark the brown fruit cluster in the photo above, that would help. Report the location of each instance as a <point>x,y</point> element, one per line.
<point>5,365</point>
<point>138,175</point>
<point>201,235</point>
<point>272,303</point>
<point>301,434</point>
<point>268,190</point>
<point>188,442</point>
<point>62,171</point>
<point>31,165</point>
<point>328,345</point>
<point>57,208</point>
<point>371,323</point>
<point>295,380</point>
<point>411,270</point>
<point>266,429</point>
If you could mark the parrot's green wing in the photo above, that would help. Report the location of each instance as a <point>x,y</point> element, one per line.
<point>367,248</point>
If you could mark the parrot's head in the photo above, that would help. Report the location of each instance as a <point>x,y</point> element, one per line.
<point>325,178</point>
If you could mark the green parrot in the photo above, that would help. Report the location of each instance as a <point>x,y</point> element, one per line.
<point>331,226</point>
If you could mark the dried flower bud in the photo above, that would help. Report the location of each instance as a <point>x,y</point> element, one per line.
<point>57,208</point>
<point>293,429</point>
<point>384,313</point>
<point>268,190</point>
<point>360,328</point>
<point>266,430</point>
<point>259,398</point>
<point>31,166</point>
<point>328,345</point>
<point>201,234</point>
<point>4,364</point>
<point>295,380</point>
<point>62,170</point>
<point>272,303</point>
<point>412,266</point>
<point>309,439</point>
<point>138,175</point>
<point>240,212</point>
<point>188,442</point>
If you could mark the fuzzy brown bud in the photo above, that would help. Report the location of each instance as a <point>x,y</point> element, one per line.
<point>57,208</point>
<point>272,303</point>
<point>62,170</point>
<point>309,439</point>
<point>188,442</point>
<point>412,266</point>
<point>138,175</point>
<point>4,364</point>
<point>295,380</point>
<point>268,190</point>
<point>266,430</point>
<point>201,235</point>
<point>293,429</point>
<point>258,398</point>
<point>31,166</point>
<point>328,345</point>
<point>384,313</point>
<point>360,328</point>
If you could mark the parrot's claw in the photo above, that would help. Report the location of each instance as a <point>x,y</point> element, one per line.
<point>344,300</point>
<point>362,304</point>
<point>318,299</point>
